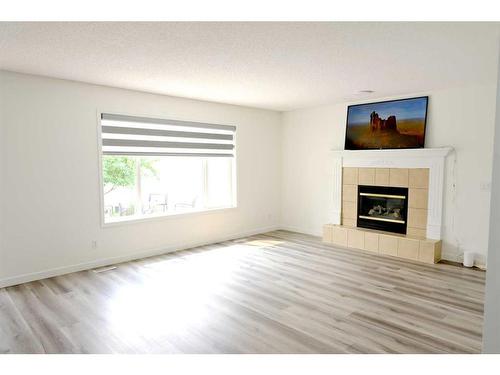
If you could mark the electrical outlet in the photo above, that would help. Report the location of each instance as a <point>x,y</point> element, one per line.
<point>485,186</point>
<point>94,244</point>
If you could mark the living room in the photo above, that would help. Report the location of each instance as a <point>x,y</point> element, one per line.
<point>249,187</point>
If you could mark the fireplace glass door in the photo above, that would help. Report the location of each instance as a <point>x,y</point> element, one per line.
<point>383,208</point>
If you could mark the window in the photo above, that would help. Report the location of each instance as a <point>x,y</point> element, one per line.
<point>153,167</point>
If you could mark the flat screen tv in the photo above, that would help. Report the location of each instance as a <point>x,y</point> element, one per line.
<point>390,124</point>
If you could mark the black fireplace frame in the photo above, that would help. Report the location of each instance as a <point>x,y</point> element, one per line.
<point>394,227</point>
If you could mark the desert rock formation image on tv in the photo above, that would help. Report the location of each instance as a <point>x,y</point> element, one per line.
<point>392,124</point>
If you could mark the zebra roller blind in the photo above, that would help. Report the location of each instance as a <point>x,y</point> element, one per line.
<point>130,135</point>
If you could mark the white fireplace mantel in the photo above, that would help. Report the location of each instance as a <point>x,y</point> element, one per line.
<point>432,158</point>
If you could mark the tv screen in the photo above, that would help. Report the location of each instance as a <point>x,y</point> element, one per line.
<point>390,124</point>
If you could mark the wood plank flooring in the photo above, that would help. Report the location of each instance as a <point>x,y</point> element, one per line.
<point>279,292</point>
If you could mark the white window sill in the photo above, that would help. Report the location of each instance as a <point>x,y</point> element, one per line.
<point>145,218</point>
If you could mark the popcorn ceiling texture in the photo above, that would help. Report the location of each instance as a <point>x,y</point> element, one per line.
<point>279,66</point>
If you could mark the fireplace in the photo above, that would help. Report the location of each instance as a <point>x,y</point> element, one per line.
<point>383,208</point>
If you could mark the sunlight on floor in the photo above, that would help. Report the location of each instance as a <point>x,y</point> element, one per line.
<point>264,243</point>
<point>175,294</point>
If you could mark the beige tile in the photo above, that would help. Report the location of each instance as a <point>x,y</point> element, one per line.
<point>382,176</point>
<point>349,176</point>
<point>437,251</point>
<point>387,245</point>
<point>417,218</point>
<point>349,210</point>
<point>398,177</point>
<point>416,232</point>
<point>339,236</point>
<point>418,198</point>
<point>355,238</point>
<point>328,233</point>
<point>349,222</point>
<point>419,178</point>
<point>408,248</point>
<point>366,176</point>
<point>350,193</point>
<point>371,241</point>
<point>429,251</point>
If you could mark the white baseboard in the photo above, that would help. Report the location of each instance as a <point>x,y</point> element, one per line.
<point>20,279</point>
<point>479,258</point>
<point>301,230</point>
<point>451,256</point>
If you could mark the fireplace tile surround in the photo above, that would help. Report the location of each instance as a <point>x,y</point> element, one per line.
<point>418,192</point>
<point>383,161</point>
<point>419,170</point>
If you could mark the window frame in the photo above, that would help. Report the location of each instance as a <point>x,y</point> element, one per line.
<point>133,219</point>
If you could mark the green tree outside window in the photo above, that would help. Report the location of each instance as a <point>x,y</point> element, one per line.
<point>121,171</point>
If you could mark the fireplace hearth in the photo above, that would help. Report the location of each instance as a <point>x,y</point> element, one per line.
<point>383,208</point>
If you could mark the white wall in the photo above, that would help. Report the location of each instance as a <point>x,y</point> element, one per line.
<point>460,117</point>
<point>50,210</point>
<point>491,326</point>
<point>49,190</point>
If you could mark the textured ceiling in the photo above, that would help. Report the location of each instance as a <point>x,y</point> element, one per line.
<point>280,66</point>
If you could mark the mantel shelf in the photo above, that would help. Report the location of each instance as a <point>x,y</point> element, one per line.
<point>400,153</point>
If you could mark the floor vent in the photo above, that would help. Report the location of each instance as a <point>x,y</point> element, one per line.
<point>104,269</point>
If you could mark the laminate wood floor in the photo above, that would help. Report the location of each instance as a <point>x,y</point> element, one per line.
<point>279,292</point>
